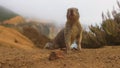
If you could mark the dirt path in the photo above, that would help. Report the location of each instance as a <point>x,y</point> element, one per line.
<point>107,57</point>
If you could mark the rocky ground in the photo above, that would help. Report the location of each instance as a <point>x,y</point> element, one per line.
<point>107,57</point>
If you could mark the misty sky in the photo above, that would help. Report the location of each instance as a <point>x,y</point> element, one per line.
<point>55,10</point>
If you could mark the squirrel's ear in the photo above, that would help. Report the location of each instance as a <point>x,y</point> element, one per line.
<point>68,10</point>
<point>68,13</point>
<point>77,9</point>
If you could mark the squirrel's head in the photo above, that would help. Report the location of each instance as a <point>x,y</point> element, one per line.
<point>72,14</point>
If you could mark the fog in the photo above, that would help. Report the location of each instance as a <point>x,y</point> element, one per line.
<point>55,10</point>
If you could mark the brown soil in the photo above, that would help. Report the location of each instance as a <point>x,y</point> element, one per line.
<point>17,51</point>
<point>11,38</point>
<point>107,57</point>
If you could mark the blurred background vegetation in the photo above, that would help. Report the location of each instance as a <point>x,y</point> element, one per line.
<point>108,33</point>
<point>6,14</point>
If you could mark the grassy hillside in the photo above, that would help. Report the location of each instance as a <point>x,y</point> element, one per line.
<point>6,13</point>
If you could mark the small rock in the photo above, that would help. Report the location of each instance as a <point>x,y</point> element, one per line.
<point>64,65</point>
<point>97,57</point>
<point>56,55</point>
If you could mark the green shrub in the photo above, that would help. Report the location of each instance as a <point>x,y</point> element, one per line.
<point>95,38</point>
<point>107,34</point>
